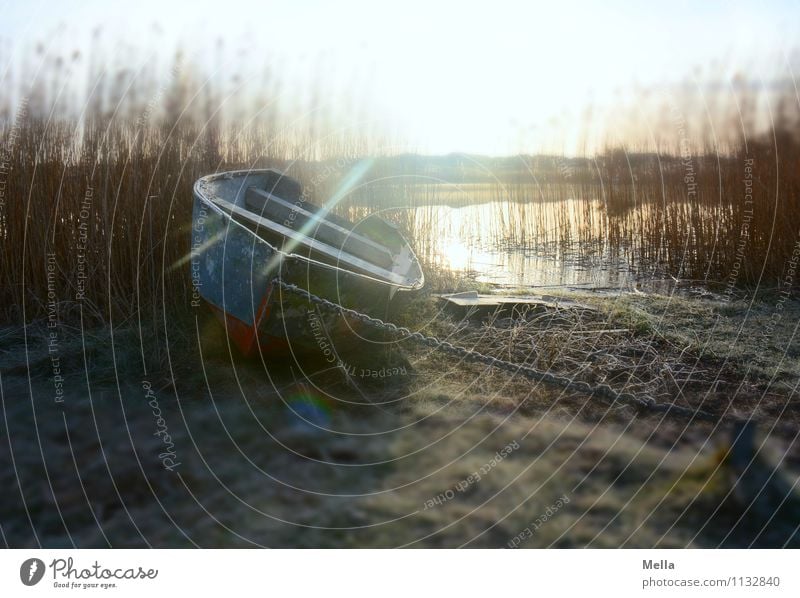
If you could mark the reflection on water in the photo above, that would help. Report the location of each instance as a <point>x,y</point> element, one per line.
<point>475,240</point>
<point>531,220</point>
<point>493,235</point>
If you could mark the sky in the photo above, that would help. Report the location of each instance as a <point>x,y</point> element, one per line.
<point>488,77</point>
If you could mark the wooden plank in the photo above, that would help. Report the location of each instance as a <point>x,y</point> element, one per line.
<point>472,299</point>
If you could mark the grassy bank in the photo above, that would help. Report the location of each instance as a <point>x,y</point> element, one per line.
<point>446,454</point>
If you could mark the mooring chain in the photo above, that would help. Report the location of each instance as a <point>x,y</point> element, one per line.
<point>602,390</point>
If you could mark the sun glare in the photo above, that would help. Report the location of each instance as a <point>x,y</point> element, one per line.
<point>456,255</point>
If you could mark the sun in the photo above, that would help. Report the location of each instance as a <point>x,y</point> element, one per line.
<point>456,255</point>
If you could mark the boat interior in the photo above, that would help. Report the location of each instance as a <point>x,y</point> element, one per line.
<point>272,205</point>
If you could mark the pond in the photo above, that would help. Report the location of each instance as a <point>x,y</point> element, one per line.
<point>471,240</point>
<point>520,236</point>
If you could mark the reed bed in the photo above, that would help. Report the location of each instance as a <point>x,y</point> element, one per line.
<point>95,231</point>
<point>96,204</point>
<point>728,218</point>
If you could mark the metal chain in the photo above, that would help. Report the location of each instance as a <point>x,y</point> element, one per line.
<point>605,391</point>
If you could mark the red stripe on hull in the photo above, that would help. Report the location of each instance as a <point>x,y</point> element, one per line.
<point>244,335</point>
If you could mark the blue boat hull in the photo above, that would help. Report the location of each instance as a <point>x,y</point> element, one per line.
<point>233,270</point>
